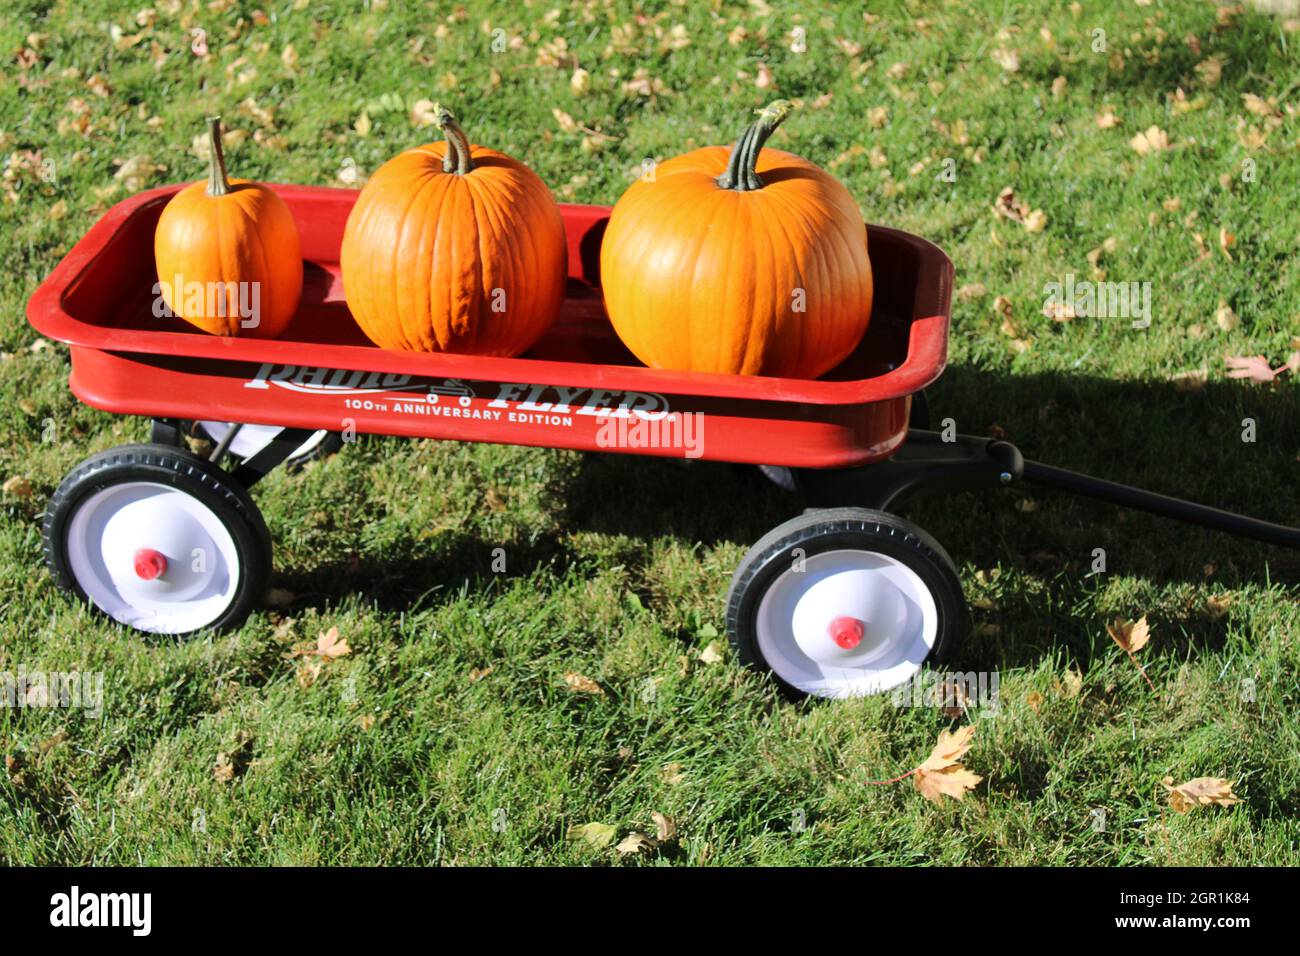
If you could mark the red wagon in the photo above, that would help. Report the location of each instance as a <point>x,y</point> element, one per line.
<point>845,599</point>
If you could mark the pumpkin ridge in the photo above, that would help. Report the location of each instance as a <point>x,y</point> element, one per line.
<point>401,222</point>
<point>430,199</point>
<point>263,273</point>
<point>774,229</point>
<point>492,196</point>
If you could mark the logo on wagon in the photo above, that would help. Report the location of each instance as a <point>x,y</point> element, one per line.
<point>313,380</point>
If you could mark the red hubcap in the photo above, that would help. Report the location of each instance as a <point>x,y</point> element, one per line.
<point>847,632</point>
<point>149,564</point>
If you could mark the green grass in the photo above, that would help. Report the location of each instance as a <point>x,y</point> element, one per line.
<point>617,567</point>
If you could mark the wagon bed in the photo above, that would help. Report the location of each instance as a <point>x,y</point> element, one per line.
<point>322,373</point>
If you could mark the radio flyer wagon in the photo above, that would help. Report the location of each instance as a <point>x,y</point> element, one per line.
<point>843,600</point>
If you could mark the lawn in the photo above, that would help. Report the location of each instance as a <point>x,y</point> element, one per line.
<point>1145,142</point>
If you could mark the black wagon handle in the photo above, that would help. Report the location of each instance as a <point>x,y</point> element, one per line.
<point>1188,511</point>
<point>930,463</point>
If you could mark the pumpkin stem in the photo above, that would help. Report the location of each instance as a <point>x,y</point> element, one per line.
<point>218,184</point>
<point>742,172</point>
<point>458,158</point>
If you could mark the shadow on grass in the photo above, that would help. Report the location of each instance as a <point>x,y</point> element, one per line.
<point>1188,444</point>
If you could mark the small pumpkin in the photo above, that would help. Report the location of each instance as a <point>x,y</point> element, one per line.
<point>751,261</point>
<point>454,248</point>
<point>228,254</point>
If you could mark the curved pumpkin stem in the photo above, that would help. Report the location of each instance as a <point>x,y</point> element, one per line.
<point>458,159</point>
<point>218,184</point>
<point>742,168</point>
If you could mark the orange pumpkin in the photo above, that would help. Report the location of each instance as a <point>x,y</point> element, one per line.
<point>750,261</point>
<point>454,248</point>
<point>228,255</point>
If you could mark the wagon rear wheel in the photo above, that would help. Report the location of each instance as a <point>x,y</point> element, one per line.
<point>844,602</point>
<point>158,539</point>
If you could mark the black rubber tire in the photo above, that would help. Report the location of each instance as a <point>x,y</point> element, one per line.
<point>835,529</point>
<point>783,476</point>
<point>185,472</point>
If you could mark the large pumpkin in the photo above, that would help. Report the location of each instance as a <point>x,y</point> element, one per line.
<point>750,261</point>
<point>454,248</point>
<point>227,253</point>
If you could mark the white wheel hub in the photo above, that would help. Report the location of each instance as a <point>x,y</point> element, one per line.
<point>154,557</point>
<point>847,624</point>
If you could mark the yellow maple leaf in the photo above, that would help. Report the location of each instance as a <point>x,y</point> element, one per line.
<point>950,748</point>
<point>953,781</point>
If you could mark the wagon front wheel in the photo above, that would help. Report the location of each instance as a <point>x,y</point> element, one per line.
<point>844,602</point>
<point>158,539</point>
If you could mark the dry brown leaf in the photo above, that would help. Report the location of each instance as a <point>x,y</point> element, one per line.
<point>307,673</point>
<point>1130,636</point>
<point>1152,140</point>
<point>330,646</point>
<point>582,685</point>
<point>1107,119</point>
<point>1199,792</point>
<point>1035,700</point>
<point>1009,60</point>
<point>478,673</point>
<point>1225,318</point>
<point>671,774</point>
<point>1071,684</point>
<point>636,843</point>
<point>665,827</point>
<point>1217,605</point>
<point>711,654</point>
<point>19,486</point>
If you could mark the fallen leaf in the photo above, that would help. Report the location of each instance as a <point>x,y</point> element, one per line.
<point>1254,368</point>
<point>1009,60</point>
<point>671,774</point>
<point>330,646</point>
<point>711,654</point>
<point>665,828</point>
<point>478,673</point>
<point>307,673</point>
<point>950,748</point>
<point>19,486</point>
<point>1217,605</point>
<point>1199,792</point>
<point>599,835</point>
<point>1153,139</point>
<point>1107,119</point>
<point>1225,318</point>
<point>1035,700</point>
<point>972,290</point>
<point>635,843</point>
<point>1131,637</point>
<point>582,685</point>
